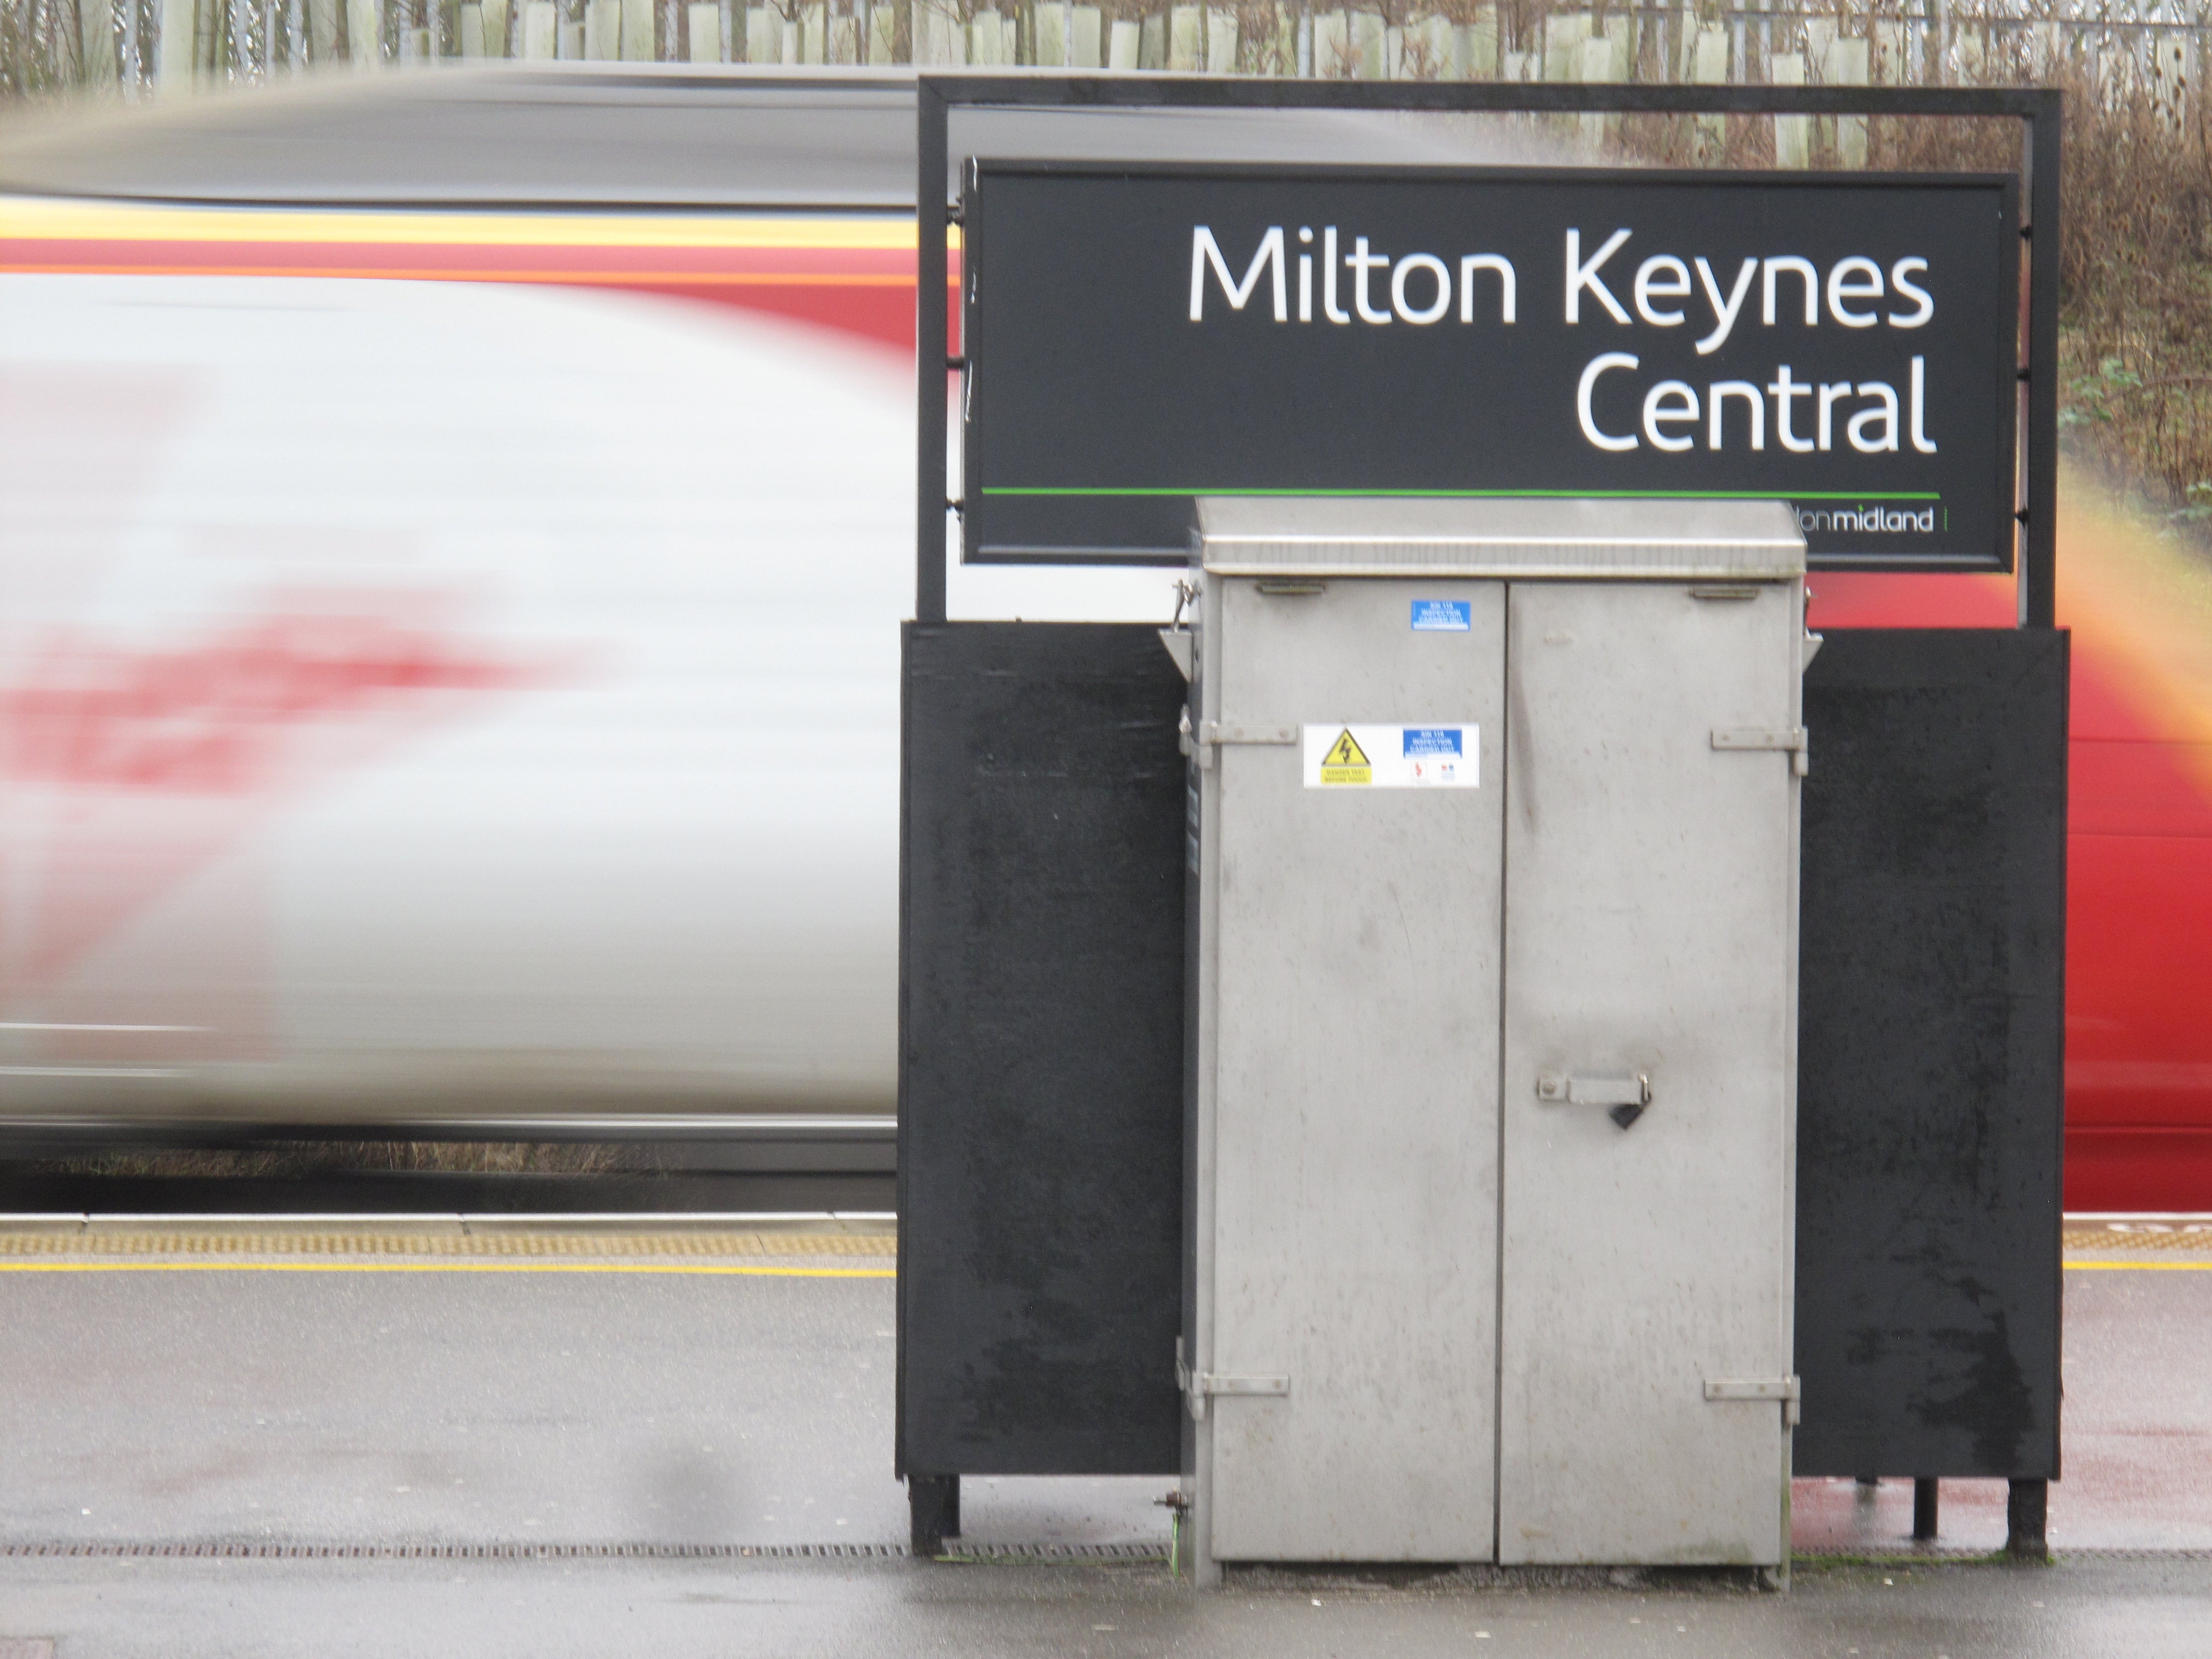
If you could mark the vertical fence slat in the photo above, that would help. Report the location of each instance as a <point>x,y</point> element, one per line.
<point>364,32</point>
<point>1710,67</point>
<point>1793,134</point>
<point>1332,45</point>
<point>173,46</point>
<point>1849,65</point>
<point>541,29</point>
<point>95,24</point>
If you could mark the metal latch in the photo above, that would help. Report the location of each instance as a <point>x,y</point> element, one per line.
<point>1783,1388</point>
<point>1201,1386</point>
<point>1212,734</point>
<point>1793,741</point>
<point>1183,645</point>
<point>1626,1097</point>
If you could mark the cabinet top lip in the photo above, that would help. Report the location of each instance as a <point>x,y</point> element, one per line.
<point>1642,537</point>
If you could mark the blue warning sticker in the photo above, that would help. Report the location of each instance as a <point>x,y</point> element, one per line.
<point>1431,740</point>
<point>1442,616</point>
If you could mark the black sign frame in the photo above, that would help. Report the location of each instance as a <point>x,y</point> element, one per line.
<point>2038,109</point>
<point>1998,328</point>
<point>974,650</point>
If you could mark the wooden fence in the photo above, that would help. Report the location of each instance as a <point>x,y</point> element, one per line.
<point>143,47</point>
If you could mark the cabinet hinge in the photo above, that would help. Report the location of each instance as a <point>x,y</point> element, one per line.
<point>1210,734</point>
<point>1783,1388</point>
<point>1794,741</point>
<point>1199,1386</point>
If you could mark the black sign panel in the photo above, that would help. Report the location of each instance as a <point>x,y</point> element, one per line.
<point>1139,335</point>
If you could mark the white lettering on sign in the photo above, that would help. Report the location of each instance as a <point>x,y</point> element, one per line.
<point>1204,252</point>
<point>1582,276</point>
<point>1724,311</point>
<point>1792,292</point>
<point>1869,425</point>
<point>1598,366</point>
<point>1420,289</point>
<point>1806,416</point>
<point>1791,288</point>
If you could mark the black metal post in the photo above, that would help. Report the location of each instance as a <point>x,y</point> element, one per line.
<point>930,272</point>
<point>1505,97</point>
<point>2028,1513</point>
<point>1924,1509</point>
<point>933,1508</point>
<point>2044,145</point>
<point>2027,1501</point>
<point>929,610</point>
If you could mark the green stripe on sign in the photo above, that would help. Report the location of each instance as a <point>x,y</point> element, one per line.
<point>1476,495</point>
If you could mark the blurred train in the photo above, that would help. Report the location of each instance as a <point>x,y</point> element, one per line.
<point>453,529</point>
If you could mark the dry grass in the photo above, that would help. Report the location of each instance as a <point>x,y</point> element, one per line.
<point>2136,320</point>
<point>2136,349</point>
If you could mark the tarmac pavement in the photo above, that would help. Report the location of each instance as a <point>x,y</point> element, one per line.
<point>784,1610</point>
<point>347,1401</point>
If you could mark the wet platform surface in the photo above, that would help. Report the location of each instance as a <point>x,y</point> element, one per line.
<point>889,1610</point>
<point>363,1435</point>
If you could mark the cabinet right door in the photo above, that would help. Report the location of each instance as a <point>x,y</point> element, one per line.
<point>1650,940</point>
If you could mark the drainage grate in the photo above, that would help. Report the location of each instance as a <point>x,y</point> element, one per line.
<point>986,1554</point>
<point>464,1247</point>
<point>248,1550</point>
<point>235,1550</point>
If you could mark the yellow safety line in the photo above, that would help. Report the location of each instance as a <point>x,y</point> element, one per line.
<point>247,1245</point>
<point>2140,1266</point>
<point>438,1267</point>
<point>673,1268</point>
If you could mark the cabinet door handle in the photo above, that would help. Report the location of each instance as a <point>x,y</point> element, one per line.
<point>1625,1098</point>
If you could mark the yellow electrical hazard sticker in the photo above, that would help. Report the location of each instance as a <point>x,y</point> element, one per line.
<point>1346,762</point>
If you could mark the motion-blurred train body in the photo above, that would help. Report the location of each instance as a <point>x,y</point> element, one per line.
<point>455,531</point>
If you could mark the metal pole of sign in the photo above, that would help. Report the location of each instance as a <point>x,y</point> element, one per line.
<point>2041,145</point>
<point>2027,1510</point>
<point>933,1499</point>
<point>932,275</point>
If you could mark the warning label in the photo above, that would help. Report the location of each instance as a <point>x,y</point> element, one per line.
<point>1346,762</point>
<point>1349,756</point>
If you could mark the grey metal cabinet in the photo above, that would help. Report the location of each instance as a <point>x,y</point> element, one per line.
<point>1495,831</point>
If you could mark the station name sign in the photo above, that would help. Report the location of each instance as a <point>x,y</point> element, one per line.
<point>1137,337</point>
